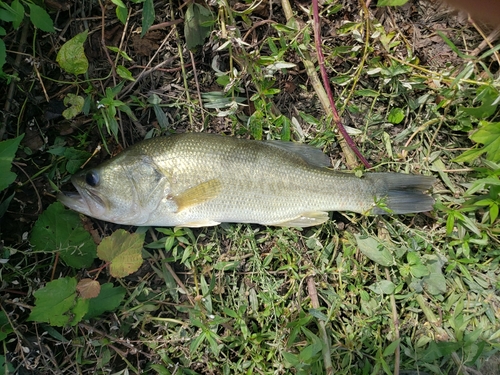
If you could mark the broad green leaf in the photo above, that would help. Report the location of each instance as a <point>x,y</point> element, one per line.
<point>123,251</point>
<point>419,270</point>
<point>122,14</point>
<point>148,16</point>
<point>155,101</point>
<point>396,115</point>
<point>489,135</point>
<point>79,310</point>
<point>5,327</point>
<point>488,97</point>
<point>121,11</point>
<point>41,18</point>
<point>375,250</point>
<point>120,52</point>
<point>383,287</point>
<point>435,282</point>
<point>58,229</point>
<point>76,158</point>
<point>8,151</point>
<point>71,56</point>
<point>124,73</point>
<point>108,299</point>
<point>3,54</point>
<point>197,25</point>
<point>76,105</point>
<point>54,302</point>
<point>8,14</point>
<point>119,3</point>
<point>7,367</point>
<point>367,92</point>
<point>17,11</point>
<point>391,348</point>
<point>5,204</point>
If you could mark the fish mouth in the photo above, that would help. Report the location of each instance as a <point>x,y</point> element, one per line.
<point>74,200</point>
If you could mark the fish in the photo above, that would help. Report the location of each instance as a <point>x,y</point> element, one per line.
<point>201,179</point>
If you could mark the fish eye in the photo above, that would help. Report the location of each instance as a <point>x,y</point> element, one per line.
<point>92,178</point>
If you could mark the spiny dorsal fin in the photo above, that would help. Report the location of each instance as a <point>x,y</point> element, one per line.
<point>308,153</point>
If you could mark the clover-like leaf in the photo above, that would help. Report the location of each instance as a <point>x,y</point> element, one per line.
<point>123,251</point>
<point>75,103</point>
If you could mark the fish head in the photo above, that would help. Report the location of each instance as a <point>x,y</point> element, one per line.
<point>122,190</point>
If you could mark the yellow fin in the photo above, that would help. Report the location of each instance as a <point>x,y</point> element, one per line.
<point>307,219</point>
<point>197,194</point>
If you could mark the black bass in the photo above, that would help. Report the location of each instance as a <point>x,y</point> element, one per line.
<point>196,180</point>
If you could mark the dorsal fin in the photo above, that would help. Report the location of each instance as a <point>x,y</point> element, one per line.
<point>309,154</point>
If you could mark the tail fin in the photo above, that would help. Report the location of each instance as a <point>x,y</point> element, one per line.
<point>402,193</point>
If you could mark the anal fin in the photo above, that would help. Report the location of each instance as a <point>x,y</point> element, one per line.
<point>199,224</point>
<point>307,219</point>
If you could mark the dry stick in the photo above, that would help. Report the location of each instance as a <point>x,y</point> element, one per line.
<point>319,89</point>
<point>40,206</point>
<point>488,41</point>
<point>197,85</point>
<point>395,321</point>
<point>326,83</point>
<point>327,355</point>
<point>183,66</point>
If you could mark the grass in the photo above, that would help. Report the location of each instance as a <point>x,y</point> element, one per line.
<point>356,295</point>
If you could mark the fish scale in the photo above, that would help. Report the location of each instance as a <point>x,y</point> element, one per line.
<point>197,179</point>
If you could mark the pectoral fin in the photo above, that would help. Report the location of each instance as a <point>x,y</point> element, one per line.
<point>197,195</point>
<point>307,219</point>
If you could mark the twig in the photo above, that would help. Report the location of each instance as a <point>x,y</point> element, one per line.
<point>145,72</point>
<point>40,206</point>
<point>184,74</point>
<point>488,41</point>
<point>197,85</point>
<point>326,84</point>
<point>320,90</point>
<point>395,321</point>
<point>256,25</point>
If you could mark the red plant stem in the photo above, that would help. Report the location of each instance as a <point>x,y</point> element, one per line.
<point>326,84</point>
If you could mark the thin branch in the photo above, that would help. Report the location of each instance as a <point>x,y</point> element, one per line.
<point>326,84</point>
